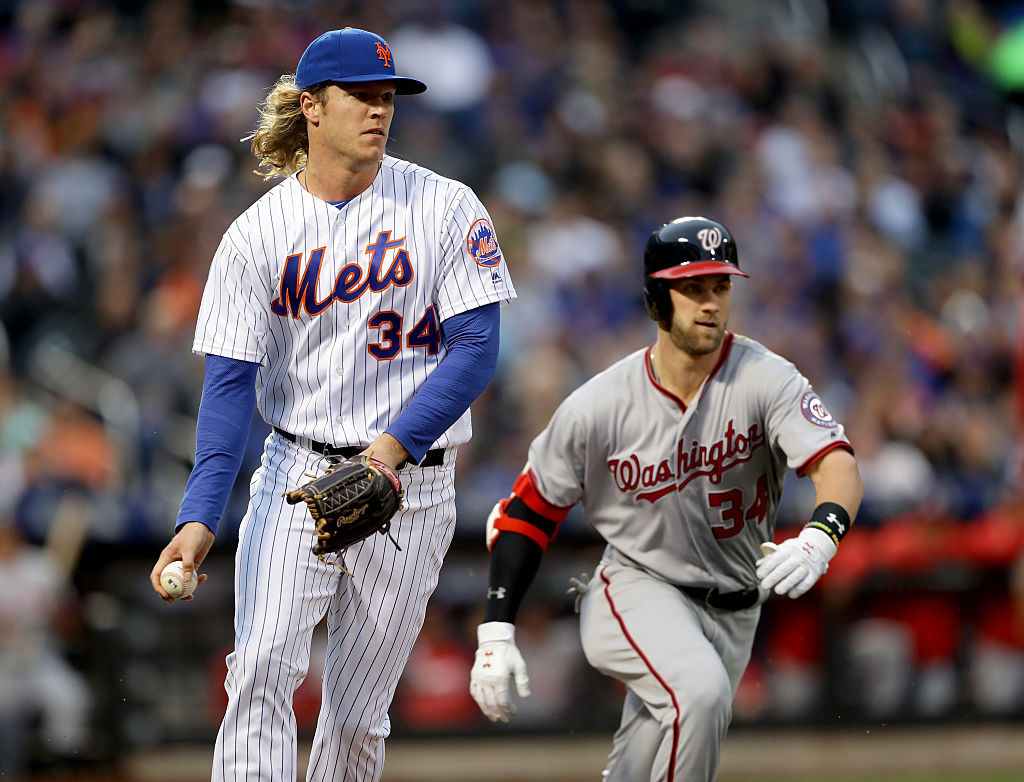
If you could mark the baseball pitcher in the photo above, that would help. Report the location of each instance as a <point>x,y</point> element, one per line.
<point>356,305</point>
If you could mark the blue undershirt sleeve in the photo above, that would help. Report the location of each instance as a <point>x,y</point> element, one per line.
<point>471,339</point>
<point>222,429</point>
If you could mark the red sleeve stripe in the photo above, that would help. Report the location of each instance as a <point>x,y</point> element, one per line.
<point>831,447</point>
<point>509,524</point>
<point>526,490</point>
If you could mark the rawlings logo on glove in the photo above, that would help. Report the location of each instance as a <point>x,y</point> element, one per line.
<point>349,502</point>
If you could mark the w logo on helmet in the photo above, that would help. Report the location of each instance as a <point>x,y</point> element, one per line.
<point>710,238</point>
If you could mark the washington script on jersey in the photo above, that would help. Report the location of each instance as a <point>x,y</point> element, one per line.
<point>697,460</point>
<point>349,284</point>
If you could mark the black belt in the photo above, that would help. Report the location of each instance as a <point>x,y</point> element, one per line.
<point>434,457</point>
<point>723,601</point>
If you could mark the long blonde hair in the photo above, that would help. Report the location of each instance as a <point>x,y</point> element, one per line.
<point>280,141</point>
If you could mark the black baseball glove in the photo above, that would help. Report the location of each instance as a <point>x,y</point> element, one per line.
<point>349,502</point>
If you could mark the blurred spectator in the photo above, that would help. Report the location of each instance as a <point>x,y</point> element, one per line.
<point>22,423</point>
<point>995,653</point>
<point>36,680</point>
<point>76,450</point>
<point>996,667</point>
<point>451,58</point>
<point>879,666</point>
<point>896,473</point>
<point>794,653</point>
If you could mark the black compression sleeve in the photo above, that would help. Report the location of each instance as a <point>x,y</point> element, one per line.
<point>515,560</point>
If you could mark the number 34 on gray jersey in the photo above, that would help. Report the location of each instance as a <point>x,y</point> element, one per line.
<point>687,491</point>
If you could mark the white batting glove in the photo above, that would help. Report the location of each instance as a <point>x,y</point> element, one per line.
<point>795,565</point>
<point>497,658</point>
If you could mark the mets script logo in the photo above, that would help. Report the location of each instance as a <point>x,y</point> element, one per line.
<point>710,238</point>
<point>656,480</point>
<point>482,243</point>
<point>384,53</point>
<point>814,410</point>
<point>298,293</point>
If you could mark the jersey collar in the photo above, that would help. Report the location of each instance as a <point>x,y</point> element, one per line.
<point>648,367</point>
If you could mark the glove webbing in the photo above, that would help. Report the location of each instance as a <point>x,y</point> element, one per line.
<point>321,522</point>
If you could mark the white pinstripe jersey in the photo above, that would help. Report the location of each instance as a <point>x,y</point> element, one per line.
<point>342,307</point>
<point>687,491</point>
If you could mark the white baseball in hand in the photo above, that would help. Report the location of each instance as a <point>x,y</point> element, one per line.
<point>172,579</point>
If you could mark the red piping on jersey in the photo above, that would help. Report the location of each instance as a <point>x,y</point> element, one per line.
<point>830,447</point>
<point>650,666</point>
<point>726,345</point>
<point>658,386</point>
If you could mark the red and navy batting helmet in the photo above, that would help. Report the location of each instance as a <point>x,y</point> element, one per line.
<point>685,247</point>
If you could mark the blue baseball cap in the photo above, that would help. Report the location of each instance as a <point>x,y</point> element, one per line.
<point>351,55</point>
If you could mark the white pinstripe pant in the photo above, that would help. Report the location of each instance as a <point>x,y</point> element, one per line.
<point>282,591</point>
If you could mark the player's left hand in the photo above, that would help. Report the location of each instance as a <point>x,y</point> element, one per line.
<point>578,587</point>
<point>795,565</point>
<point>352,500</point>
<point>497,659</point>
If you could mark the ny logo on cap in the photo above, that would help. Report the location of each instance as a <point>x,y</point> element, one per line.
<point>384,53</point>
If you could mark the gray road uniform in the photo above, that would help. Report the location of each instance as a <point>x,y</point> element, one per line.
<point>684,495</point>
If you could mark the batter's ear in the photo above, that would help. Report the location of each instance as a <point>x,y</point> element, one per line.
<point>658,303</point>
<point>652,308</point>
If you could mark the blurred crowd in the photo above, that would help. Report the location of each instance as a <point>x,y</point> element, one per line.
<point>867,156</point>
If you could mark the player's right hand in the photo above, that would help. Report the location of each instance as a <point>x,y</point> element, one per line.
<point>191,544</point>
<point>497,659</point>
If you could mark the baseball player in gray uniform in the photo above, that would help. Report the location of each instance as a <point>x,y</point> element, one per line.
<point>678,453</point>
<point>356,306</point>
